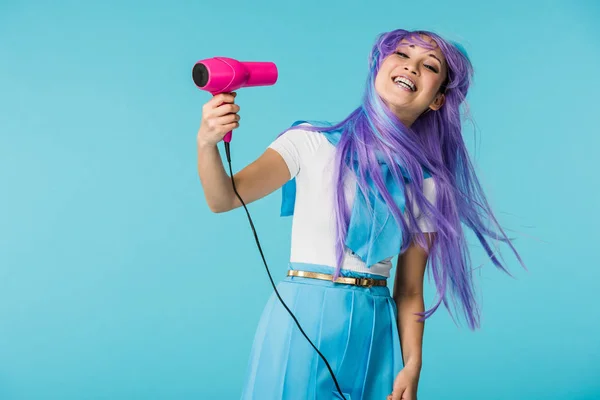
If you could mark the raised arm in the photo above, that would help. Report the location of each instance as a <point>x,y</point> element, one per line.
<point>260,178</point>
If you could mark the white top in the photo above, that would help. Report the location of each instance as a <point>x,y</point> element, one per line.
<point>309,157</point>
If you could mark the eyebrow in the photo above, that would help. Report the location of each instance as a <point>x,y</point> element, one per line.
<point>412,46</point>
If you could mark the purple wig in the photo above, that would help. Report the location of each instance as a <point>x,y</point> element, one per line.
<point>435,142</point>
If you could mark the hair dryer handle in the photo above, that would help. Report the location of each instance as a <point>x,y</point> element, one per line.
<point>227,137</point>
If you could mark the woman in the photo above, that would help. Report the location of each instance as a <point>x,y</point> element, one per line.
<point>393,178</point>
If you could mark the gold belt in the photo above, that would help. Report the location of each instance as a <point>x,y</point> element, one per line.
<point>364,282</point>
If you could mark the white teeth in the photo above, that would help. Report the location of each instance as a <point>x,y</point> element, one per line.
<point>406,82</point>
<point>405,85</point>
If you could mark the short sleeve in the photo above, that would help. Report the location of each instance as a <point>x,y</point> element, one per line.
<point>423,221</point>
<point>294,146</point>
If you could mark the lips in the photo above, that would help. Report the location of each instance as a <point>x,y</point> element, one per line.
<point>404,82</point>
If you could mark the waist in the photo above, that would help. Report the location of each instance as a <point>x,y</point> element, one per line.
<point>326,269</point>
<point>323,275</point>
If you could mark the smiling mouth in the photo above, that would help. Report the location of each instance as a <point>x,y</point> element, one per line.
<point>404,83</point>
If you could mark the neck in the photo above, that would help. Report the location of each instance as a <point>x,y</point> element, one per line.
<point>406,118</point>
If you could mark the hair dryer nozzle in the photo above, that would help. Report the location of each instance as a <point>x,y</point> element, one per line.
<point>200,75</point>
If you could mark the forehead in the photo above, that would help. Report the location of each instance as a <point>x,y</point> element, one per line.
<point>415,43</point>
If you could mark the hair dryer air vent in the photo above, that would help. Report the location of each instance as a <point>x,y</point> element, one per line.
<point>200,75</point>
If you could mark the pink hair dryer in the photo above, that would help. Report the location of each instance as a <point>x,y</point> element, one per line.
<point>221,74</point>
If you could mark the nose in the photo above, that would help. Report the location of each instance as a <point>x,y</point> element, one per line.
<point>410,67</point>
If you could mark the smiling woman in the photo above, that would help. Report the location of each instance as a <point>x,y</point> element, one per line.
<point>411,80</point>
<point>393,178</point>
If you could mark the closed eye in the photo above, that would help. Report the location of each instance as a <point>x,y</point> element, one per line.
<point>430,67</point>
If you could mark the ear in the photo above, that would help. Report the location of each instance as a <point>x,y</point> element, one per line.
<point>438,102</point>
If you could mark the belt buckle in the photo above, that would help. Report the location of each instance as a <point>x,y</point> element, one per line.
<point>366,282</point>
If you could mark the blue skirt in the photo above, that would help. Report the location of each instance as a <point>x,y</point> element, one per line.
<point>353,327</point>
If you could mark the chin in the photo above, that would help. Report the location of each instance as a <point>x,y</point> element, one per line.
<point>395,101</point>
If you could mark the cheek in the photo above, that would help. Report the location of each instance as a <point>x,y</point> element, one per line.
<point>380,83</point>
<point>433,84</point>
<point>379,80</point>
<point>384,72</point>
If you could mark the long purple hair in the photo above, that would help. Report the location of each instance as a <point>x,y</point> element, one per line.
<point>372,132</point>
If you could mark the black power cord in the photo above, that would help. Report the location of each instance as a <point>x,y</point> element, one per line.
<point>227,152</point>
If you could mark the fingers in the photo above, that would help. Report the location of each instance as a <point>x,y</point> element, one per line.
<point>228,122</point>
<point>224,109</point>
<point>219,116</point>
<point>231,127</point>
<point>212,109</point>
<point>397,395</point>
<point>220,104</point>
<point>227,119</point>
<point>222,98</point>
<point>223,124</point>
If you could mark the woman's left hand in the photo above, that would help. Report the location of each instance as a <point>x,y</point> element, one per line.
<point>405,384</point>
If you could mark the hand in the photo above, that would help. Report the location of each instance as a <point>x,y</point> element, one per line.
<point>219,116</point>
<point>405,384</point>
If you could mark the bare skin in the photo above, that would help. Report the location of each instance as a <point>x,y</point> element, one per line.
<point>269,172</point>
<point>425,68</point>
<point>263,176</point>
<point>408,295</point>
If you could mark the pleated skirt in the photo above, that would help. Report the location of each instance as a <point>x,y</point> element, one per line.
<point>353,327</point>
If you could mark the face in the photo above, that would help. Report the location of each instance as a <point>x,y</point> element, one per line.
<point>409,80</point>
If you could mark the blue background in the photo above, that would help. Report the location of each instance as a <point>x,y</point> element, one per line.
<point>116,280</point>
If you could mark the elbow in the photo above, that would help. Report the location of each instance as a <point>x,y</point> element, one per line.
<point>220,207</point>
<point>408,294</point>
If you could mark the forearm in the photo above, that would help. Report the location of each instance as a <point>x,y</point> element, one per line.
<point>409,328</point>
<point>215,181</point>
